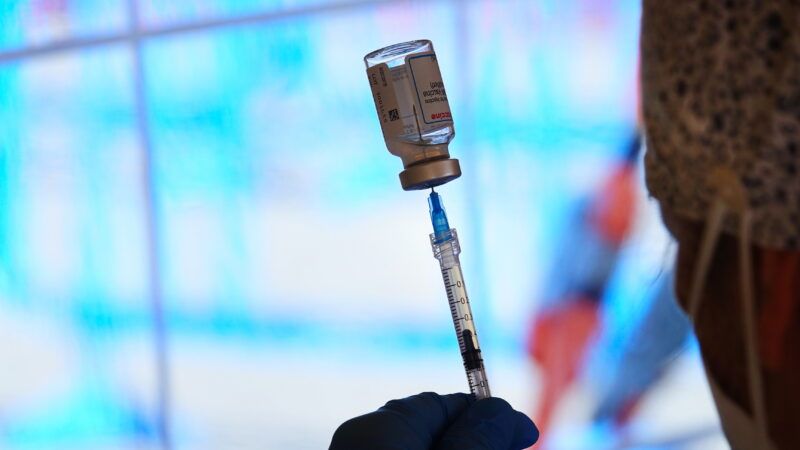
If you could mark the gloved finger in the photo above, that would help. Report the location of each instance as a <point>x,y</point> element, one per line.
<point>490,424</point>
<point>526,432</point>
<point>412,423</point>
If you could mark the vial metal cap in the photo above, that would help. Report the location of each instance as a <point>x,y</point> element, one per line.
<point>428,174</point>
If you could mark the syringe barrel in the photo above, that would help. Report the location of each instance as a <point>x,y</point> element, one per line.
<point>478,383</point>
<point>446,249</point>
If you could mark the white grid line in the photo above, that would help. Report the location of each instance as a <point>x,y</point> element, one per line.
<point>163,411</point>
<point>136,33</point>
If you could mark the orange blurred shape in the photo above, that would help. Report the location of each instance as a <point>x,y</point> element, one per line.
<point>613,210</point>
<point>558,342</point>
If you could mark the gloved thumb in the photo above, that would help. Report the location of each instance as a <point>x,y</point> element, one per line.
<point>490,424</point>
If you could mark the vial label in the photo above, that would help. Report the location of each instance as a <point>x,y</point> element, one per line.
<point>432,106</point>
<point>410,98</point>
<point>383,93</point>
<point>406,101</point>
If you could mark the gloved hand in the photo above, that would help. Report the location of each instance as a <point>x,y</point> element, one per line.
<point>430,421</point>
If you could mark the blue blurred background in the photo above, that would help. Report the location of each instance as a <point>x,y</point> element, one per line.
<point>204,243</point>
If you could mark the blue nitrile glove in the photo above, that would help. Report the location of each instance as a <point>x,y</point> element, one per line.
<point>430,421</point>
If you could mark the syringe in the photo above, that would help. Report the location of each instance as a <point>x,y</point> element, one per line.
<point>444,241</point>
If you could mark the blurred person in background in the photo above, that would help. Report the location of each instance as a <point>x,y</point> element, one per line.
<point>565,327</point>
<point>565,330</point>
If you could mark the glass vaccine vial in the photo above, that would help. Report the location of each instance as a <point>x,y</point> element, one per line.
<point>412,107</point>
